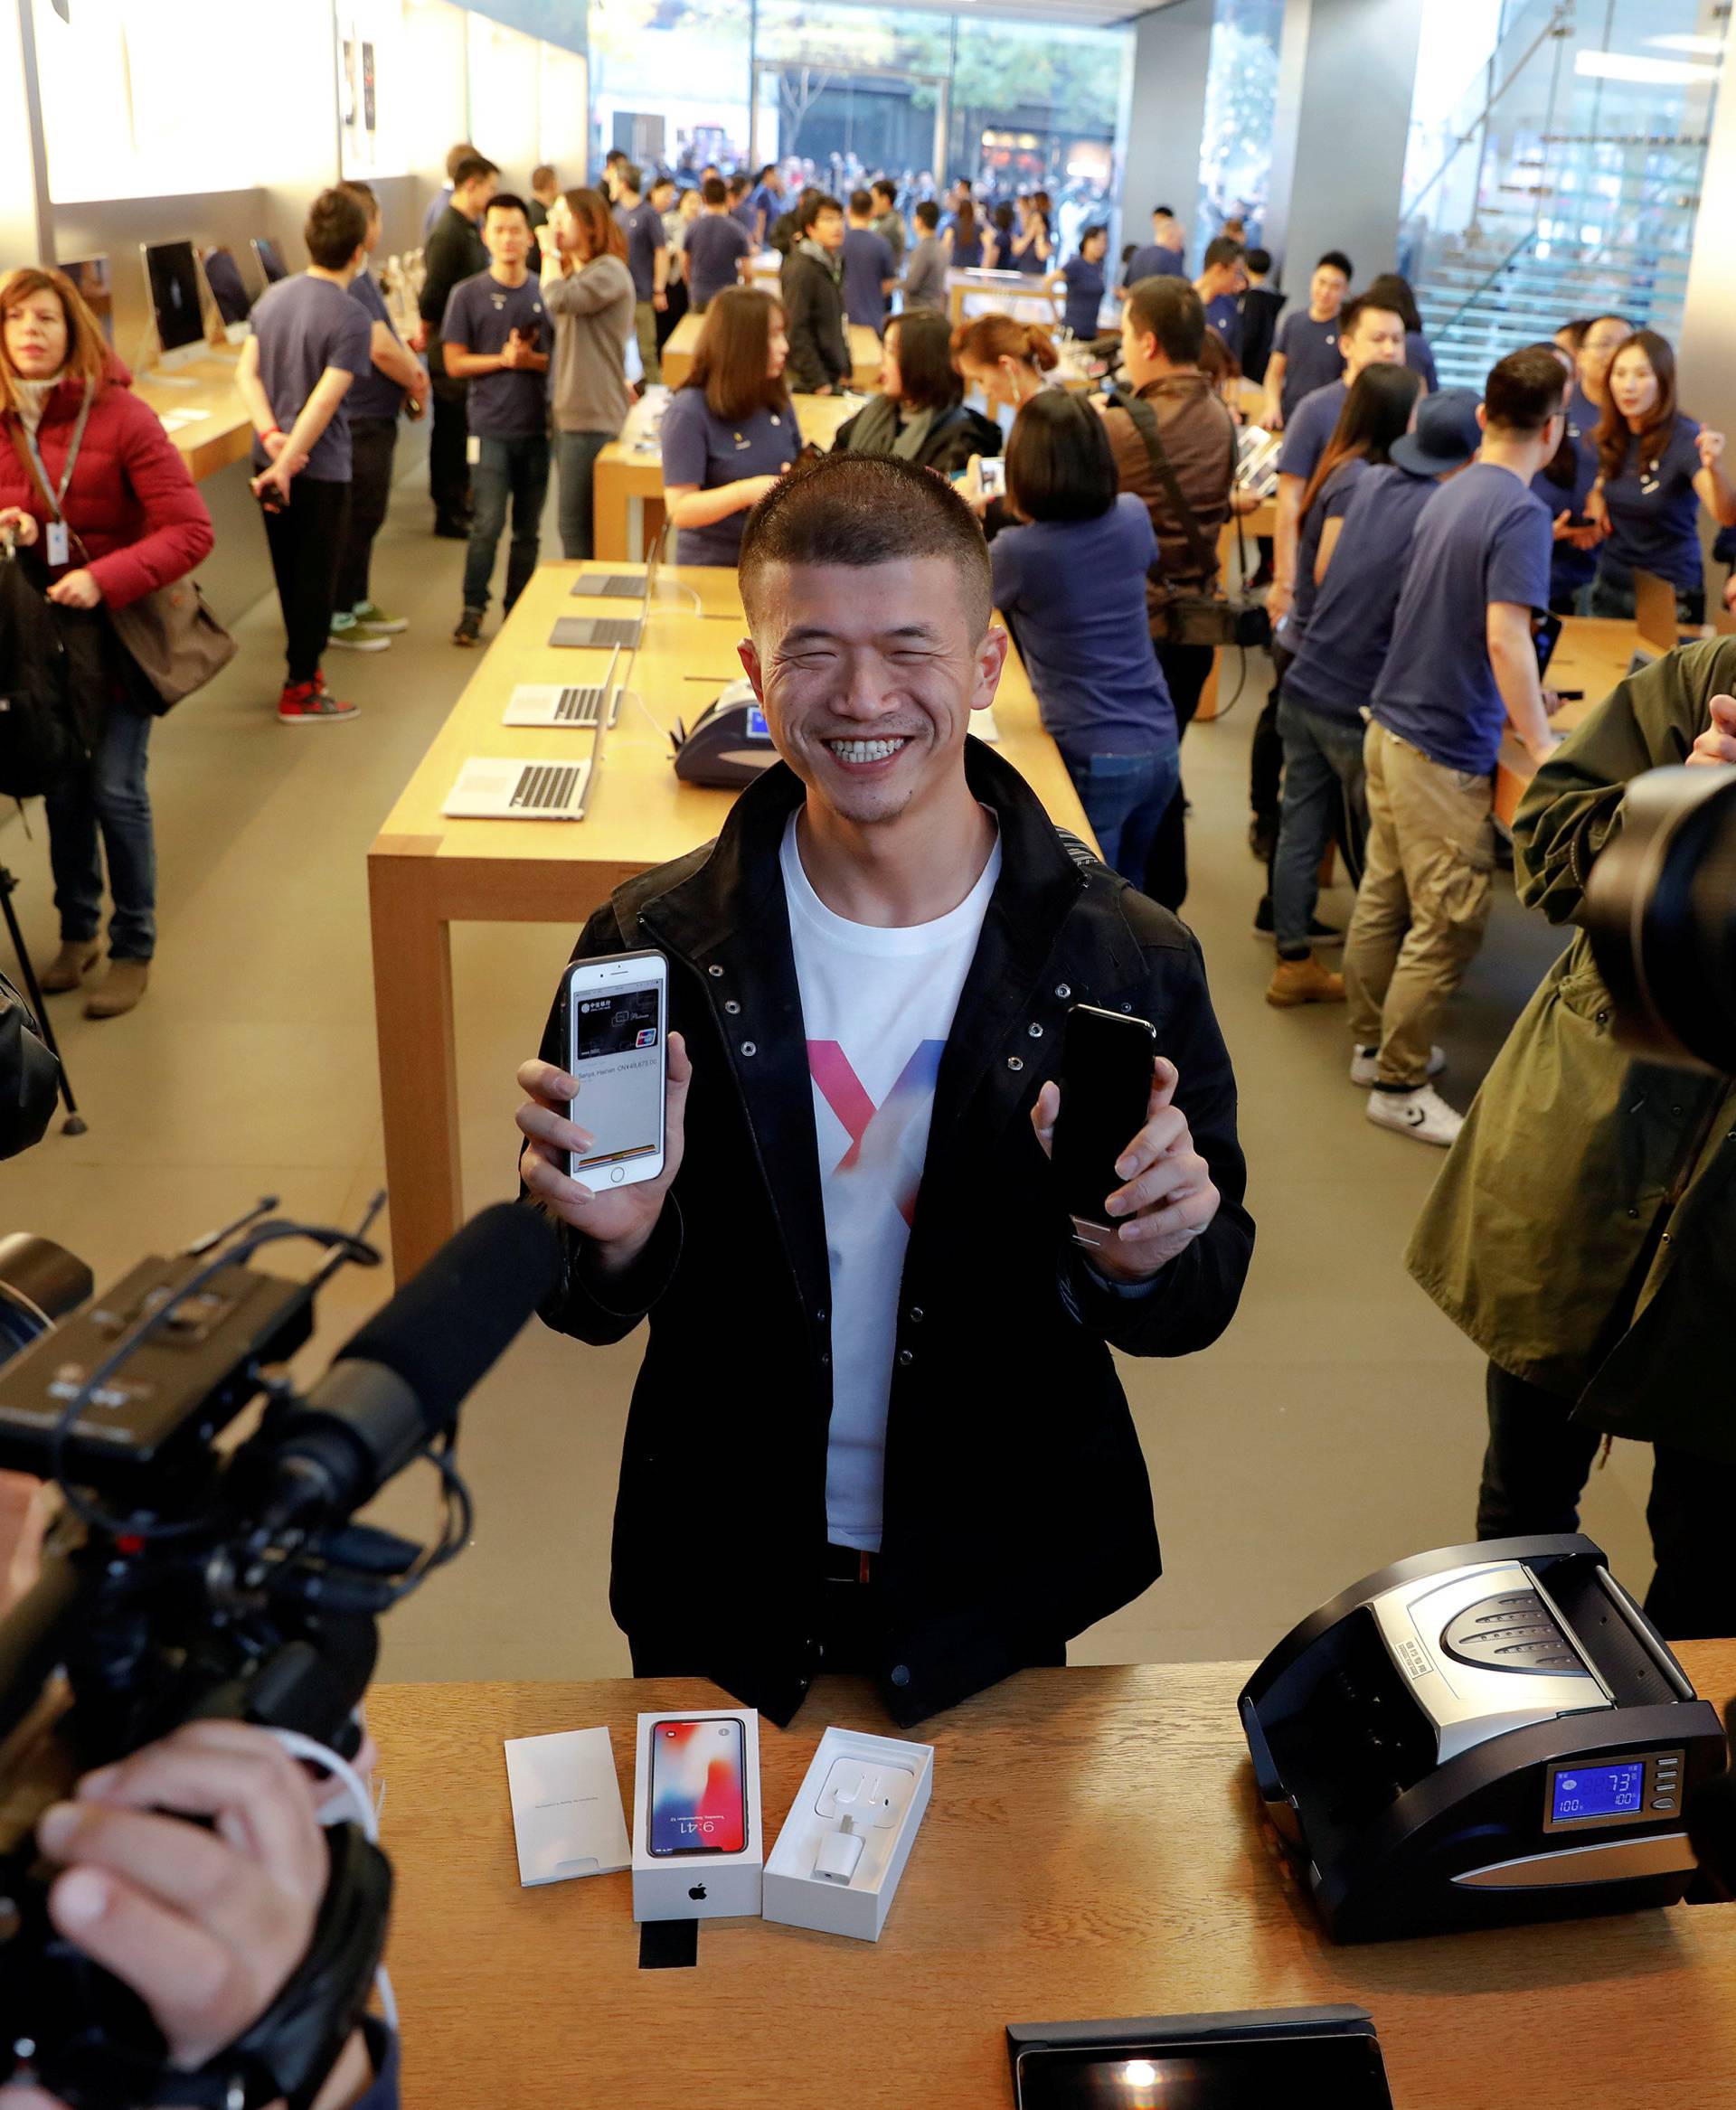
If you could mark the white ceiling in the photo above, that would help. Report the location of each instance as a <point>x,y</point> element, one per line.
<point>1067,13</point>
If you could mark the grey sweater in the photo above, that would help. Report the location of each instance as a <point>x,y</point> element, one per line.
<point>593,319</point>
<point>924,283</point>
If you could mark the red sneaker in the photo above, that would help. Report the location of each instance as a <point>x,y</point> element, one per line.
<point>311,703</point>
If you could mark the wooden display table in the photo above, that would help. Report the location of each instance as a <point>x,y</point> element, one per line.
<point>631,468</point>
<point>684,340</point>
<point>426,872</point>
<point>1092,1851</point>
<point>1592,654</point>
<point>1023,295</point>
<point>223,432</point>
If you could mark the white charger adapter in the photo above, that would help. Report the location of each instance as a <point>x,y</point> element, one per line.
<point>840,1853</point>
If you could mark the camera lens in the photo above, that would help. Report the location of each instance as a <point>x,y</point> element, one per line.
<point>40,1284</point>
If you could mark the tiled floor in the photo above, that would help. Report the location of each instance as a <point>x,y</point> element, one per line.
<point>1337,1426</point>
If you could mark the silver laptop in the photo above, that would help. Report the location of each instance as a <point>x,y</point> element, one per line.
<point>594,632</point>
<point>553,703</point>
<point>609,585</point>
<point>493,788</point>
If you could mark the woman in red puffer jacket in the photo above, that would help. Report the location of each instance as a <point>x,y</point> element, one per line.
<point>132,506</point>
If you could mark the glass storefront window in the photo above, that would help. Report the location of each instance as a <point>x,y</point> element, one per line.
<point>670,80</point>
<point>1240,112</point>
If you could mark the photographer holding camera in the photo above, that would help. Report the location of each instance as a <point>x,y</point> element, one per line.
<point>878,1422</point>
<point>205,1926</point>
<point>1579,1232</point>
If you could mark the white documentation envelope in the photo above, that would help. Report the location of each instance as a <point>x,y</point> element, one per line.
<point>567,1815</point>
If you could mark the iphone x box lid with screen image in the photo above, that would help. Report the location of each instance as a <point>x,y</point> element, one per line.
<point>697,1845</point>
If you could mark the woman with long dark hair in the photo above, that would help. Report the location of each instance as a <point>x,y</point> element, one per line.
<point>588,290</point>
<point>919,414</point>
<point>1565,484</point>
<point>1323,768</point>
<point>964,239</point>
<point>997,240</point>
<point>1032,247</point>
<point>728,432</point>
<point>1657,467</point>
<point>134,522</point>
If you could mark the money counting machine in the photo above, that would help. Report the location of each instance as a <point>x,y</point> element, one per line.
<point>1479,1736</point>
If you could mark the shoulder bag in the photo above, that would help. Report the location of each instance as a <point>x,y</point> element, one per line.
<point>170,632</point>
<point>1196,616</point>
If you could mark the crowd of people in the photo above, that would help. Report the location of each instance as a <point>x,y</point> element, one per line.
<point>1420,532</point>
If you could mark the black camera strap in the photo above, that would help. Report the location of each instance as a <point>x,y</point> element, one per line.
<point>291,2050</point>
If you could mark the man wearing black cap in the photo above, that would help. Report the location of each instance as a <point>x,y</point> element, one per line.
<point>1328,684</point>
<point>1460,664</point>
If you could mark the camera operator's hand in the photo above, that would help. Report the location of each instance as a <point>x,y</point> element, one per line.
<point>1717,745</point>
<point>207,1927</point>
<point>617,1223</point>
<point>1169,1198</point>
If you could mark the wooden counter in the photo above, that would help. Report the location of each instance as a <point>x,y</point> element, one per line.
<point>1022,294</point>
<point>631,467</point>
<point>426,872</point>
<point>1592,654</point>
<point>683,339</point>
<point>223,432</point>
<point>1092,1849</point>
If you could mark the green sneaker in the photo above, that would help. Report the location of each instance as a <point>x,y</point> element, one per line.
<point>349,636</point>
<point>374,620</point>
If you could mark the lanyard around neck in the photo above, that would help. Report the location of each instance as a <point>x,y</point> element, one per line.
<point>56,497</point>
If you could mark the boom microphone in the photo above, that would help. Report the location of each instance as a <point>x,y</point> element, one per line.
<point>401,1377</point>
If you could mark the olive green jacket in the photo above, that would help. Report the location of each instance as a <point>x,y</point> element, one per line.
<point>1583,1230</point>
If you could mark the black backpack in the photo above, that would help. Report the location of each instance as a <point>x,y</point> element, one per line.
<point>45,661</point>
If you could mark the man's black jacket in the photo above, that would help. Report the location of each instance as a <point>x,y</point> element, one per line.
<point>819,345</point>
<point>455,252</point>
<point>1017,1509</point>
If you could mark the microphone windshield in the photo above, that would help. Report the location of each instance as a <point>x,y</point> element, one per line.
<point>454,1318</point>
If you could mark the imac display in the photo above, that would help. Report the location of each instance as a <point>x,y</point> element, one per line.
<point>96,288</point>
<point>270,259</point>
<point>172,273</point>
<point>223,275</point>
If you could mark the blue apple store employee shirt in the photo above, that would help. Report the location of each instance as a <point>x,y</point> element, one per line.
<point>1482,538</point>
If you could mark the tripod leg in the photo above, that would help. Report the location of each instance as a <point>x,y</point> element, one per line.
<point>74,1123</point>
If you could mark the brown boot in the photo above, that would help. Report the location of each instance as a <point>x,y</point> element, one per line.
<point>1304,981</point>
<point>119,989</point>
<point>70,966</point>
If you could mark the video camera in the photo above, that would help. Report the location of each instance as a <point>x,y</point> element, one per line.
<point>184,1581</point>
<point>1661,911</point>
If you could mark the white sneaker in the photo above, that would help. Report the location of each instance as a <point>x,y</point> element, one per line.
<point>1365,1065</point>
<point>1423,1113</point>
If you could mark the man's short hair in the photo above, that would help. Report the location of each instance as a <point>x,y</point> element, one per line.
<point>861,202</point>
<point>337,226</point>
<point>1162,212</point>
<point>739,185</point>
<point>614,155</point>
<point>472,168</point>
<point>1524,390</point>
<point>1351,314</point>
<point>1222,248</point>
<point>1338,261</point>
<point>1170,310</point>
<point>362,193</point>
<point>884,187</point>
<point>543,175</point>
<point>662,183</point>
<point>1258,261</point>
<point>860,510</point>
<point>632,177</point>
<point>507,202</point>
<point>713,191</point>
<point>927,215</point>
<point>815,202</point>
<point>769,169</point>
<point>456,157</point>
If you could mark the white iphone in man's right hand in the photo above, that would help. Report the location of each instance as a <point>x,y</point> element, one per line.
<point>617,1028</point>
<point>992,472</point>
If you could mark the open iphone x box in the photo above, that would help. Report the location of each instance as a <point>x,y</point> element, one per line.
<point>697,1843</point>
<point>838,1858</point>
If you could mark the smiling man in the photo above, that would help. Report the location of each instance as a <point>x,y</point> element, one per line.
<point>878,1427</point>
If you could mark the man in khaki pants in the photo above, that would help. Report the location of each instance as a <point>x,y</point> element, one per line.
<point>1461,662</point>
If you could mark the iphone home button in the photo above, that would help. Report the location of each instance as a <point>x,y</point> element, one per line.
<point>617,1175</point>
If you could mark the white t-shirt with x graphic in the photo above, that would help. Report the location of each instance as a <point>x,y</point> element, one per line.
<point>878,1006</point>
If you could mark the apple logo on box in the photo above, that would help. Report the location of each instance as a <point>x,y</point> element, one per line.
<point>698,1890</point>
